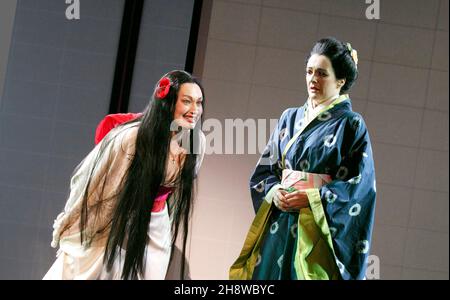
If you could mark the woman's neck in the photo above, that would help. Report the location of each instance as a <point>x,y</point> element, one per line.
<point>316,103</point>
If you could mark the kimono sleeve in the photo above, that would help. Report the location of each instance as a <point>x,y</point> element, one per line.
<point>110,164</point>
<point>349,201</point>
<point>266,178</point>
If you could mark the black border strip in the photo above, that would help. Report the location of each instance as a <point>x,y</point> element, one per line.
<point>126,55</point>
<point>193,36</point>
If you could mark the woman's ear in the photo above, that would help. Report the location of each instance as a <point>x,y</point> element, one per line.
<point>341,83</point>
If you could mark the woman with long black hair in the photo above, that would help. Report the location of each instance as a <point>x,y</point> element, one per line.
<point>133,194</point>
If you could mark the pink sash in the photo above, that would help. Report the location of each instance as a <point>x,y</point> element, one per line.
<point>160,200</point>
<point>299,180</point>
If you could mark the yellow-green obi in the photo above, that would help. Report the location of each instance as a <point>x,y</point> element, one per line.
<point>314,257</point>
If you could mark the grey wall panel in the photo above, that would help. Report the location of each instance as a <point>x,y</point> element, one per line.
<point>163,43</point>
<point>57,89</point>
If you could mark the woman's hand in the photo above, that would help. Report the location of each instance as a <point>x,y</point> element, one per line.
<point>280,200</point>
<point>297,200</point>
<point>291,202</point>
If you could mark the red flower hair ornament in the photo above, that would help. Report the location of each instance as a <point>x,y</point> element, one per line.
<point>163,87</point>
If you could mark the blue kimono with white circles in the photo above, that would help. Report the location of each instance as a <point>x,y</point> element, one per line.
<point>335,143</point>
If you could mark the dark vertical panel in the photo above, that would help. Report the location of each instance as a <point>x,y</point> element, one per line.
<point>202,38</point>
<point>193,36</point>
<point>126,56</point>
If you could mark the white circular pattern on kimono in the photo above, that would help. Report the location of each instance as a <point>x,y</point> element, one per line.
<point>298,125</point>
<point>354,210</point>
<point>355,180</point>
<point>362,246</point>
<point>294,230</point>
<point>325,116</point>
<point>342,173</point>
<point>304,165</point>
<point>330,140</point>
<point>356,121</point>
<point>364,154</point>
<point>333,231</point>
<point>260,187</point>
<point>283,134</point>
<point>280,260</point>
<point>274,227</point>
<point>331,197</point>
<point>258,260</point>
<point>287,164</point>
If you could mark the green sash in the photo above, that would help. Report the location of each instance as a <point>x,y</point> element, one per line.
<point>243,267</point>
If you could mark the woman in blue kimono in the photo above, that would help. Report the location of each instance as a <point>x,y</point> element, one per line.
<point>321,231</point>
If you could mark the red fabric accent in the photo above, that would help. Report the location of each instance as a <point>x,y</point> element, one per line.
<point>114,120</point>
<point>163,88</point>
<point>161,197</point>
<point>111,121</point>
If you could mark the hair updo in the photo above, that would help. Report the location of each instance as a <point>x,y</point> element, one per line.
<point>341,60</point>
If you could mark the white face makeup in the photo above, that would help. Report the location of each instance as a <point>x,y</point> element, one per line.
<point>189,105</point>
<point>321,80</point>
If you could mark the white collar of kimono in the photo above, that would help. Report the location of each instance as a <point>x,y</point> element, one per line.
<point>309,117</point>
<point>312,112</point>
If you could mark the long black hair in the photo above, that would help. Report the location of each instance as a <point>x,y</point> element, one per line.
<point>341,60</point>
<point>140,185</point>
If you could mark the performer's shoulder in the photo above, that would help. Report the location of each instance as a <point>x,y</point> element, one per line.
<point>289,112</point>
<point>124,137</point>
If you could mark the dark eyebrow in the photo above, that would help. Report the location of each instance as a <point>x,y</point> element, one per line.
<point>320,69</point>
<point>201,98</point>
